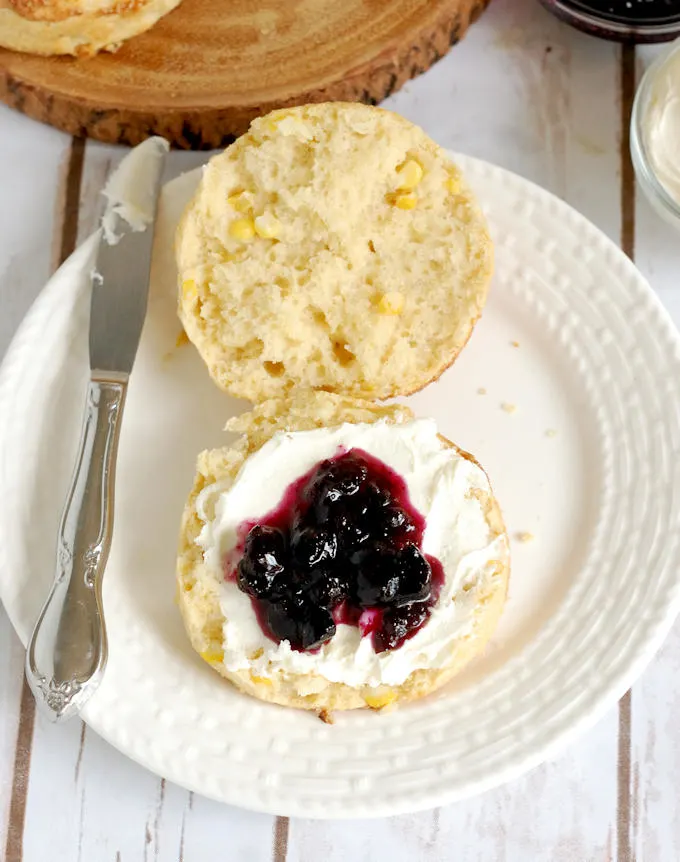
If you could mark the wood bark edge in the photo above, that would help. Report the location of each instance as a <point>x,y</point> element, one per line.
<point>204,129</point>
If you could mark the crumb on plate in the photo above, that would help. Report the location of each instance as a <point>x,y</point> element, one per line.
<point>509,408</point>
<point>325,716</point>
<point>551,432</point>
<point>514,343</point>
<point>525,537</point>
<point>481,391</point>
<point>182,339</point>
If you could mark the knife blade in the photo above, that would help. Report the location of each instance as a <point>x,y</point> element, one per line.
<point>68,650</point>
<point>120,285</point>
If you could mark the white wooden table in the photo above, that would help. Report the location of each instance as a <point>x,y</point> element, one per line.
<point>530,94</point>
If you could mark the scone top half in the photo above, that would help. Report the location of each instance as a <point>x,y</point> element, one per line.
<point>334,247</point>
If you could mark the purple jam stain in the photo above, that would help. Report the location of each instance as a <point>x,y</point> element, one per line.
<point>342,547</point>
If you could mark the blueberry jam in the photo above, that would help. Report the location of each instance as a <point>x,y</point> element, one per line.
<point>342,547</point>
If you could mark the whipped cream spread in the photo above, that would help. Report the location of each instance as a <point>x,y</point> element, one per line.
<point>127,194</point>
<point>441,486</point>
<point>661,125</point>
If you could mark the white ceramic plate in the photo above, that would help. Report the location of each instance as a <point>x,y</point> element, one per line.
<point>588,463</point>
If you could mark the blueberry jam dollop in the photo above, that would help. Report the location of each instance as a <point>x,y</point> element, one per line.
<point>344,546</point>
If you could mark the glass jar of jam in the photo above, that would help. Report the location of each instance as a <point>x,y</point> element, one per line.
<point>621,20</point>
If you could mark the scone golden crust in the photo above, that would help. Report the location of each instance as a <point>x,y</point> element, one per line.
<point>333,246</point>
<point>198,587</point>
<point>77,27</point>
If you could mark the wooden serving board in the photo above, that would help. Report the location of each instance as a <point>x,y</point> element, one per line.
<point>203,72</point>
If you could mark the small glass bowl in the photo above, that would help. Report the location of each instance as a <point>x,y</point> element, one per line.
<point>655,191</point>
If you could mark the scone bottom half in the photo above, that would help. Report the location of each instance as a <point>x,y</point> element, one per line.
<point>341,587</point>
<point>333,247</point>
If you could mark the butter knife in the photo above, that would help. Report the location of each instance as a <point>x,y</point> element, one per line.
<point>68,649</point>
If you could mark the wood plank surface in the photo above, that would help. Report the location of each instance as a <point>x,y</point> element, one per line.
<point>30,246</point>
<point>563,811</point>
<point>532,95</point>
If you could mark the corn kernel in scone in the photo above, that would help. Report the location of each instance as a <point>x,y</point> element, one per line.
<point>405,201</point>
<point>242,229</point>
<point>391,303</point>
<point>409,174</point>
<point>267,226</point>
<point>382,697</point>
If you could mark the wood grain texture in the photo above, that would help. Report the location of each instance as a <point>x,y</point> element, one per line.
<point>11,662</point>
<point>20,776</point>
<point>563,811</point>
<point>95,806</point>
<point>206,70</point>
<point>11,738</point>
<point>33,164</point>
<point>64,240</point>
<point>27,234</point>
<point>281,833</point>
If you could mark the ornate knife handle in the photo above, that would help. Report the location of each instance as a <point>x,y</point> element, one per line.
<point>68,650</point>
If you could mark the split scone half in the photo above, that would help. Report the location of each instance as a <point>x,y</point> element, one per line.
<point>340,554</point>
<point>334,247</point>
<point>77,27</point>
